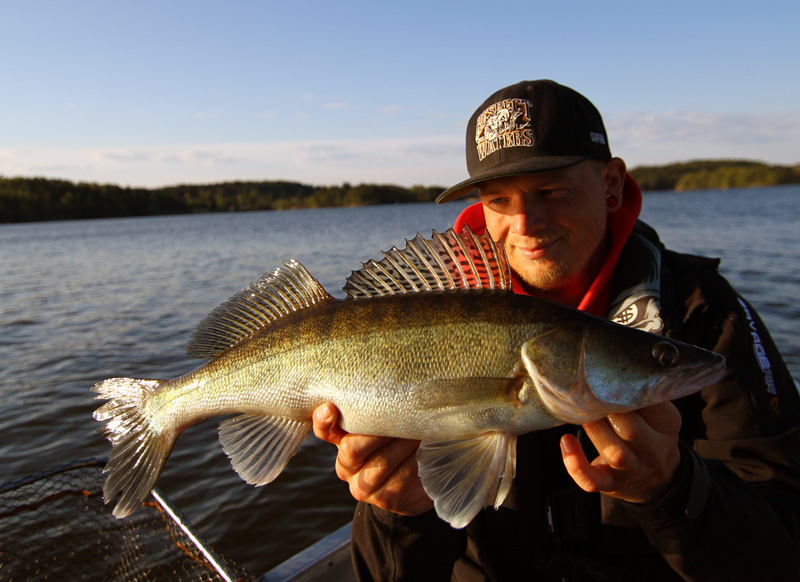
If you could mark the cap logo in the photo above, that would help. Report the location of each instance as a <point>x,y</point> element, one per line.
<point>505,124</point>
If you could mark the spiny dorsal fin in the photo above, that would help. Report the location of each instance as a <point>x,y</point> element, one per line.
<point>445,261</point>
<point>285,290</point>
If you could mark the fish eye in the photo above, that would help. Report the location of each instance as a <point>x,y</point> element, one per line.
<point>666,354</point>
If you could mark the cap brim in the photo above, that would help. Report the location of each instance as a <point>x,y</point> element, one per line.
<point>528,166</point>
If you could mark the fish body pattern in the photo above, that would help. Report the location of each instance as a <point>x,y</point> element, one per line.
<point>431,344</point>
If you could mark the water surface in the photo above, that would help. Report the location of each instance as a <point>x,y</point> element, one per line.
<point>87,300</point>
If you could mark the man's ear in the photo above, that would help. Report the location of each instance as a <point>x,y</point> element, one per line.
<point>614,173</point>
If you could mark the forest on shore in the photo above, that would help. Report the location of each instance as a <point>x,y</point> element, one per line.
<point>38,199</point>
<point>713,174</point>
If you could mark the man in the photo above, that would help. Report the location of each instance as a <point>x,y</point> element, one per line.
<point>705,488</point>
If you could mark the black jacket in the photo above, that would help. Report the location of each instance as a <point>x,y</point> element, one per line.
<point>733,514</point>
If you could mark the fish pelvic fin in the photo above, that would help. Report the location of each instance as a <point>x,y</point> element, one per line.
<point>445,261</point>
<point>138,449</point>
<point>463,476</point>
<point>259,447</point>
<point>285,290</point>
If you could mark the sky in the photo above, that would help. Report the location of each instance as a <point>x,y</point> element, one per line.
<point>153,93</point>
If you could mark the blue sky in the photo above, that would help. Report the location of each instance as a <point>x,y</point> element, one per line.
<point>153,93</point>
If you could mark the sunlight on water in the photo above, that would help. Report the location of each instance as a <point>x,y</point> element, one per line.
<point>86,300</point>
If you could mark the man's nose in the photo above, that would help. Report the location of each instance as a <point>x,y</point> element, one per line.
<point>528,220</point>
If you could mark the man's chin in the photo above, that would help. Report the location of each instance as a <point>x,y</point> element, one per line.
<point>545,276</point>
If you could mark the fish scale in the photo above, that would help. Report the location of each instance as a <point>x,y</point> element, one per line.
<point>431,345</point>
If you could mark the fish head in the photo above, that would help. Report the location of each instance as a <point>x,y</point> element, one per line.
<point>586,370</point>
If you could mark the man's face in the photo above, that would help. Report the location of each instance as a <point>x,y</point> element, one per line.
<point>554,225</point>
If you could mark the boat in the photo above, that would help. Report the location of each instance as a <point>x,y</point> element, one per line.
<point>55,526</point>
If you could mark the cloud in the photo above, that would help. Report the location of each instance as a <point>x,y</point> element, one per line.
<point>437,161</point>
<point>638,137</point>
<point>207,114</point>
<point>123,156</point>
<point>391,110</point>
<point>683,135</point>
<point>340,105</point>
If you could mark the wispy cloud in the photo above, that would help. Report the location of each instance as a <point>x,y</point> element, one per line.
<point>122,156</point>
<point>406,162</point>
<point>638,137</point>
<point>339,105</point>
<point>390,110</point>
<point>207,114</point>
<point>682,135</point>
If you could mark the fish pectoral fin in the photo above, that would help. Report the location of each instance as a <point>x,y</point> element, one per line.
<point>463,476</point>
<point>259,447</point>
<point>467,394</point>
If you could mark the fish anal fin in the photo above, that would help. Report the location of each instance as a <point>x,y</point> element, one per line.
<point>259,447</point>
<point>463,476</point>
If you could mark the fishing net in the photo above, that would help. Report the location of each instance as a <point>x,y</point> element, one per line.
<point>54,526</point>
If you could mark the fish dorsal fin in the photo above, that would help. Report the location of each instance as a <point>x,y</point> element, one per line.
<point>285,290</point>
<point>445,261</point>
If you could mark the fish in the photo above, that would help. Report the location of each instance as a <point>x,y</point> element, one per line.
<point>430,343</point>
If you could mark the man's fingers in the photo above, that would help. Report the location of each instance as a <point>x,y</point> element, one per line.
<point>393,454</point>
<point>325,423</point>
<point>638,453</point>
<point>591,477</point>
<point>663,417</point>
<point>610,444</point>
<point>390,469</point>
<point>355,451</point>
<point>379,470</point>
<point>383,471</point>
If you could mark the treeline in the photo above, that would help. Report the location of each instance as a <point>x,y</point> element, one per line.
<point>36,199</point>
<point>711,174</point>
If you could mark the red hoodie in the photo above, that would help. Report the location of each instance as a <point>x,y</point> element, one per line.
<point>620,223</point>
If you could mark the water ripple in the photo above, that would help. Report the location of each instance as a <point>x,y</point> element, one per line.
<point>87,300</point>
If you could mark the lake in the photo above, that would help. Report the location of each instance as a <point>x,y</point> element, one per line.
<point>83,301</point>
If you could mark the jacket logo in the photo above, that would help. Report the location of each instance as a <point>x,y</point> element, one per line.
<point>640,306</point>
<point>504,124</point>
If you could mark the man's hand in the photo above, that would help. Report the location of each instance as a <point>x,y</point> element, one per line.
<point>381,471</point>
<point>638,454</point>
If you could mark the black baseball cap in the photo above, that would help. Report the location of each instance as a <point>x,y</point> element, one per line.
<point>533,126</point>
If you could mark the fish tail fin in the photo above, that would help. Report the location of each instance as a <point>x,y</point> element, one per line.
<point>138,450</point>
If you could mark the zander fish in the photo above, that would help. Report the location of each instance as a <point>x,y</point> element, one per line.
<point>430,344</point>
